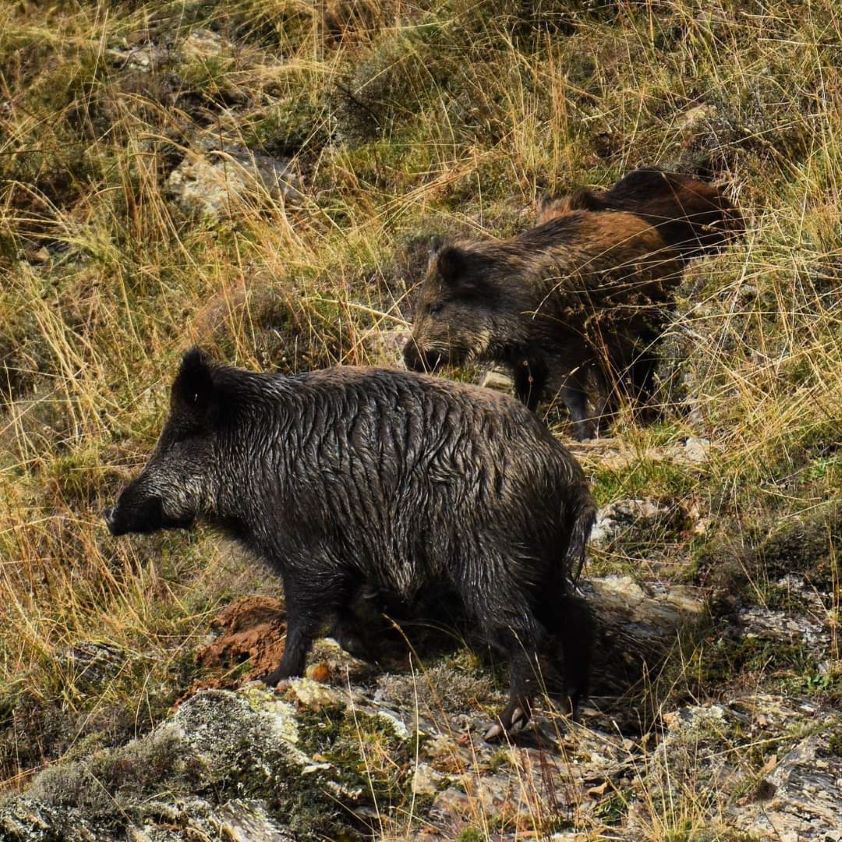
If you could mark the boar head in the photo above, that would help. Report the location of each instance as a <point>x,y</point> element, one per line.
<point>177,482</point>
<point>455,318</point>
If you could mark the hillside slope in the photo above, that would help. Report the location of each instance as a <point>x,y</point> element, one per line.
<point>264,177</point>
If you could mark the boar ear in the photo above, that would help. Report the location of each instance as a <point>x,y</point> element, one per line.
<point>193,388</point>
<point>451,263</point>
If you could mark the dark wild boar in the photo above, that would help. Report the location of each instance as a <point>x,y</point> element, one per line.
<point>692,216</point>
<point>353,478</point>
<point>571,307</point>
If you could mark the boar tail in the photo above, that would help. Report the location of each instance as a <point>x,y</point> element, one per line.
<point>581,522</point>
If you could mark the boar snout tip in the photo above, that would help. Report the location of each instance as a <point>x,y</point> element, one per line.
<point>411,356</point>
<point>418,360</point>
<point>108,515</point>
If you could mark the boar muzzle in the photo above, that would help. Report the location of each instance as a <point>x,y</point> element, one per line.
<point>117,524</point>
<point>417,359</point>
<point>141,517</point>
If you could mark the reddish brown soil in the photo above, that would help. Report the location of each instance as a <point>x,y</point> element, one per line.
<point>251,629</point>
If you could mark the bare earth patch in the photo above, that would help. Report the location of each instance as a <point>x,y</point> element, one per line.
<point>251,629</point>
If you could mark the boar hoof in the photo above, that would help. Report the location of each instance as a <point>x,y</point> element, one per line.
<point>351,643</point>
<point>271,679</point>
<point>511,720</point>
<point>495,731</point>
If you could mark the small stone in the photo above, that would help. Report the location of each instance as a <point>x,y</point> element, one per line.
<point>319,672</point>
<point>498,380</point>
<point>311,694</point>
<point>426,780</point>
<point>697,449</point>
<point>695,118</point>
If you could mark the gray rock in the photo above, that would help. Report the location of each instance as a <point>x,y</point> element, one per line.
<point>801,799</point>
<point>385,347</point>
<point>93,664</point>
<point>425,780</point>
<point>625,515</point>
<point>216,179</point>
<point>697,449</point>
<point>202,44</point>
<point>143,57</point>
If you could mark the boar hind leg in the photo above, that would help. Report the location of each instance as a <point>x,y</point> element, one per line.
<point>508,623</point>
<point>524,685</point>
<point>575,630</point>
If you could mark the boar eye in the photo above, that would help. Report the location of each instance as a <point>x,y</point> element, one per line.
<point>436,308</point>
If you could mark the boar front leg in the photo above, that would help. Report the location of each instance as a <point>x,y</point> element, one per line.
<point>574,394</point>
<point>346,632</point>
<point>308,607</point>
<point>530,379</point>
<point>576,401</point>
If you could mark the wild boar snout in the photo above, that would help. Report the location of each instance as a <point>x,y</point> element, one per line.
<point>417,359</point>
<point>137,512</point>
<point>108,517</point>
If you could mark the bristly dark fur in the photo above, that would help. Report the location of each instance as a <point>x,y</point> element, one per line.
<point>692,216</point>
<point>572,307</point>
<point>350,477</point>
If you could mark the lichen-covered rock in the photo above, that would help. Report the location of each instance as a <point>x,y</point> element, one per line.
<point>440,689</point>
<point>627,515</point>
<point>220,750</point>
<point>214,180</point>
<point>771,766</point>
<point>801,798</point>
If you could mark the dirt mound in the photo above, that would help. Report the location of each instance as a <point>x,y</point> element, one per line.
<point>251,629</point>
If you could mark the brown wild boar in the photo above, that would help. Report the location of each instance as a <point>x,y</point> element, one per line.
<point>571,307</point>
<point>691,216</point>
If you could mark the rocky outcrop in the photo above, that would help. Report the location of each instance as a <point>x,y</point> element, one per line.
<point>346,748</point>
<point>215,179</point>
<point>396,749</point>
<point>224,761</point>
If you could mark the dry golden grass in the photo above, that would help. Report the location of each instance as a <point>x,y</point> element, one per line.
<point>403,120</point>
